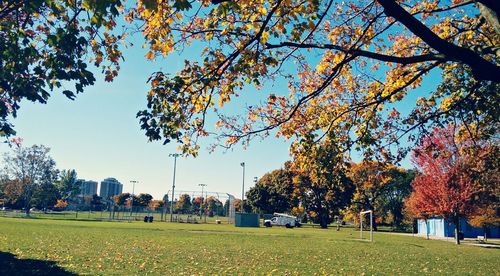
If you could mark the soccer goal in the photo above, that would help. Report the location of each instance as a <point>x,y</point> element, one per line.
<point>361,223</point>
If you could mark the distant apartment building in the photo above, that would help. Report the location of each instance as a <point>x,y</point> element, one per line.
<point>87,187</point>
<point>110,187</point>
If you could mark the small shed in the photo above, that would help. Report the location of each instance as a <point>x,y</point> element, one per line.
<point>442,228</point>
<point>247,220</point>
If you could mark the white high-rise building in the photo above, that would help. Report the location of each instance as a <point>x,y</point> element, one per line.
<point>110,187</point>
<point>87,187</point>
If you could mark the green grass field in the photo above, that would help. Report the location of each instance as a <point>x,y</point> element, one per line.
<point>61,247</point>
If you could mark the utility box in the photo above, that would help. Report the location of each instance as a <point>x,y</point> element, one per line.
<point>247,220</point>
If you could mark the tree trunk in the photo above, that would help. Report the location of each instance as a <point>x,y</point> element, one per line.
<point>456,221</point>
<point>323,222</point>
<point>426,228</point>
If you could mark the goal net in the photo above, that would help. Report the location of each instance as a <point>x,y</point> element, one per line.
<point>361,214</point>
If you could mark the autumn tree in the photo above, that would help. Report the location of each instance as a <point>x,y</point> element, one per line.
<point>30,169</point>
<point>485,167</point>
<point>121,199</point>
<point>372,180</point>
<point>144,199</point>
<point>213,206</point>
<point>272,192</point>
<point>321,182</point>
<point>60,205</point>
<point>155,204</point>
<point>349,66</point>
<point>391,202</point>
<point>445,186</point>
<point>197,205</point>
<point>183,205</point>
<point>237,205</point>
<point>48,45</point>
<point>12,191</point>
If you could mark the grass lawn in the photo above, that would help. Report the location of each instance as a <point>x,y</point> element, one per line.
<point>94,247</point>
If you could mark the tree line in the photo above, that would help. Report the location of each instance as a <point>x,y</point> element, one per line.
<point>209,206</point>
<point>30,179</point>
<point>454,177</point>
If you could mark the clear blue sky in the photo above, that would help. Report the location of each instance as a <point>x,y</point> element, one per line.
<point>99,136</point>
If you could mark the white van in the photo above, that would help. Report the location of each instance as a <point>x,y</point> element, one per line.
<point>282,220</point>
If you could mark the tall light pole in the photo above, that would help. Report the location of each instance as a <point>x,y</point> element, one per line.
<point>165,206</point>
<point>175,155</point>
<point>202,200</point>
<point>132,196</point>
<point>243,186</point>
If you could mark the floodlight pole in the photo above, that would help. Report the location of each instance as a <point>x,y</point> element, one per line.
<point>132,196</point>
<point>175,155</point>
<point>243,186</point>
<point>202,200</point>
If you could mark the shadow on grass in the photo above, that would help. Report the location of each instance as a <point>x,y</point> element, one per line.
<point>10,265</point>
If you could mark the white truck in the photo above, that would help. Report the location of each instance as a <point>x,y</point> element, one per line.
<point>279,219</point>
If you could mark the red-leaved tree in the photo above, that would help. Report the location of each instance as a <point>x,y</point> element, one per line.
<point>445,186</point>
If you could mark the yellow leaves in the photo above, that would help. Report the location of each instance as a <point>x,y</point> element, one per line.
<point>328,60</point>
<point>262,10</point>
<point>335,34</point>
<point>322,67</point>
<point>143,265</point>
<point>264,37</point>
<point>207,23</point>
<point>150,55</point>
<point>446,104</point>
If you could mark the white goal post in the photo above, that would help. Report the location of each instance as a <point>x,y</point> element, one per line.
<point>361,223</point>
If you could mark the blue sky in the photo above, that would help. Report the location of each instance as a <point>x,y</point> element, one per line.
<point>99,136</point>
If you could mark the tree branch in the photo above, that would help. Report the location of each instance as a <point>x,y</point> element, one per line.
<point>357,52</point>
<point>481,68</point>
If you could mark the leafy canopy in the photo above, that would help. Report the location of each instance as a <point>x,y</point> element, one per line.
<point>349,66</point>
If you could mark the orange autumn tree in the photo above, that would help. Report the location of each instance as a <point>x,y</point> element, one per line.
<point>371,180</point>
<point>487,198</point>
<point>61,204</point>
<point>446,185</point>
<point>341,67</point>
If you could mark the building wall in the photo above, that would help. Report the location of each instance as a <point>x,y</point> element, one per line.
<point>439,227</point>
